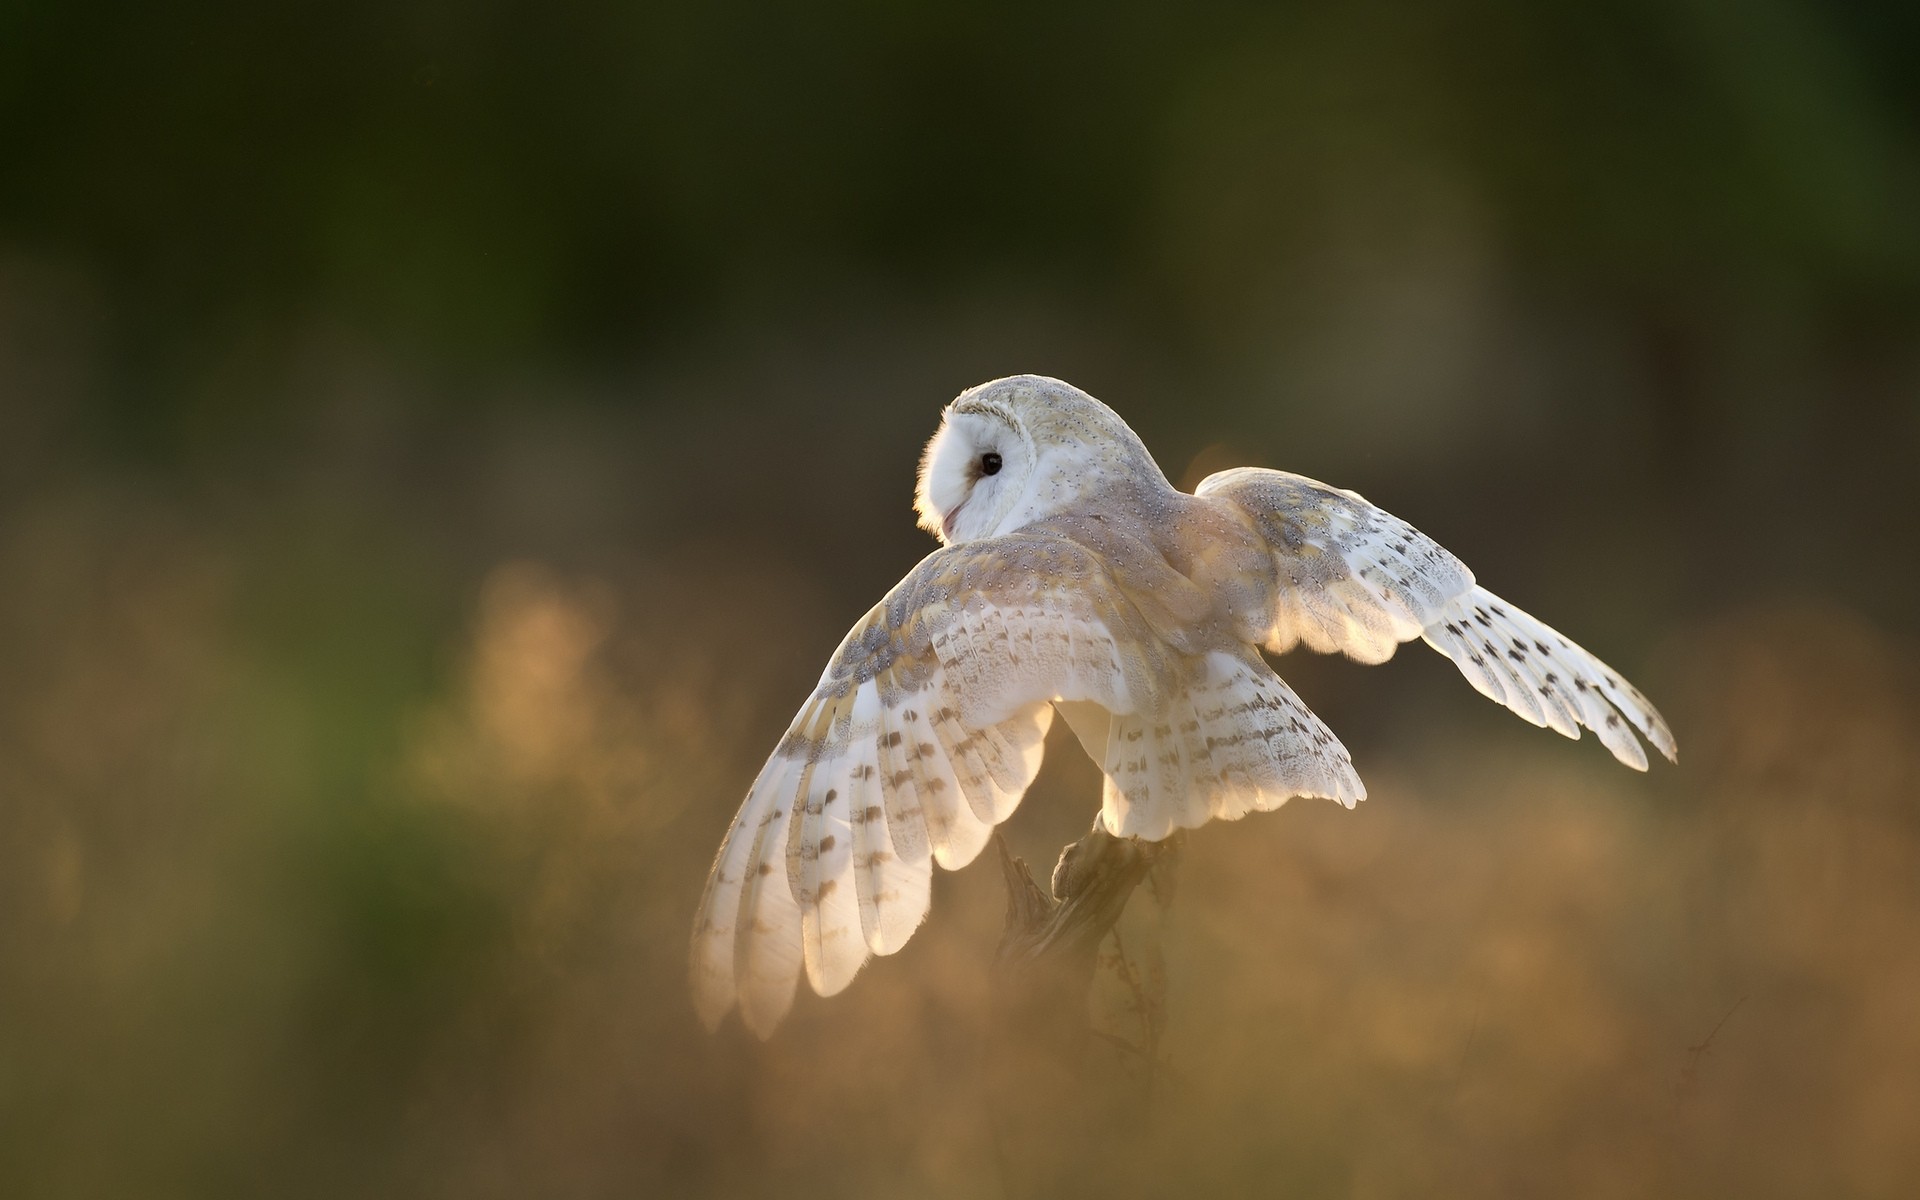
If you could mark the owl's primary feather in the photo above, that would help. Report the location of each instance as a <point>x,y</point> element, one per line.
<point>1076,578</point>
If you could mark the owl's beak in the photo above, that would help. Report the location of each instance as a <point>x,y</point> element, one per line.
<point>946,522</point>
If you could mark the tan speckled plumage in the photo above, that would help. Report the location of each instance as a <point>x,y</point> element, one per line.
<point>1075,578</point>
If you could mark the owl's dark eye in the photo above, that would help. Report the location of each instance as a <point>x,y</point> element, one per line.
<point>989,464</point>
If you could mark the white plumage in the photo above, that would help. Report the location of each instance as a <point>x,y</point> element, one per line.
<point>1074,577</point>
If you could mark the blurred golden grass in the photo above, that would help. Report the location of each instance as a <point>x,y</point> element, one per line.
<point>356,792</point>
<point>468,979</point>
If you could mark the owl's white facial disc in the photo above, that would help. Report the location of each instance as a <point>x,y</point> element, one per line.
<point>973,471</point>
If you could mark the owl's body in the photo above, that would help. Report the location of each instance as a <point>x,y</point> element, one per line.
<point>1075,578</point>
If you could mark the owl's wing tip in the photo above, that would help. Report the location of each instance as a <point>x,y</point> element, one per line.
<point>711,1015</point>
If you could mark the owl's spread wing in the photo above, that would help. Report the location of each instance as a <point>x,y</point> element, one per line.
<point>1351,578</point>
<point>922,735</point>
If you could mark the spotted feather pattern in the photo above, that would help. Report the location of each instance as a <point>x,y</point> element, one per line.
<point>1351,578</point>
<point>1234,740</point>
<point>1523,663</point>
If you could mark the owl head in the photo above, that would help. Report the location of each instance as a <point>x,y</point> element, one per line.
<point>1019,450</point>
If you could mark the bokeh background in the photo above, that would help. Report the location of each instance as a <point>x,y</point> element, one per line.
<point>440,444</point>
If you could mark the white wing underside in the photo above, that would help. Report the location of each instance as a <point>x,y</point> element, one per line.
<point>1353,579</point>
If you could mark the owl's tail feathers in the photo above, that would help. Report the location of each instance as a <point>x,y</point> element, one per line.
<point>1236,740</point>
<point>1526,665</point>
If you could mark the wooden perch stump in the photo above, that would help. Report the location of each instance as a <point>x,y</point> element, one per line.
<point>1059,1107</point>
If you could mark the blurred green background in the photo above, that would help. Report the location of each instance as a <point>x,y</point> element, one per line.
<point>440,444</point>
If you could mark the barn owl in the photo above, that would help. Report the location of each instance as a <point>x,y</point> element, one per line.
<point>1074,578</point>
